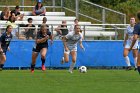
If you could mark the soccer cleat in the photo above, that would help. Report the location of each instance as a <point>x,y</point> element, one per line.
<point>70,71</point>
<point>0,69</point>
<point>128,68</point>
<point>32,70</point>
<point>43,68</point>
<point>135,69</point>
<point>62,60</point>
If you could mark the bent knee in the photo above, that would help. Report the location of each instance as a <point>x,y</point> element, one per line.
<point>66,60</point>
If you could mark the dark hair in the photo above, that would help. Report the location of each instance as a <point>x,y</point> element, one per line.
<point>76,26</point>
<point>138,15</point>
<point>29,19</point>
<point>44,18</point>
<point>36,7</point>
<point>10,19</point>
<point>76,19</point>
<point>17,7</point>
<point>8,27</point>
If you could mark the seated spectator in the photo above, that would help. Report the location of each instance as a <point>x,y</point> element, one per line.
<point>76,21</point>
<point>5,14</point>
<point>61,30</point>
<point>39,9</point>
<point>30,32</point>
<point>17,13</point>
<point>11,22</point>
<point>44,23</point>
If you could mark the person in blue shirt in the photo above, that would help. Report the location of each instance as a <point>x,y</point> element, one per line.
<point>5,40</point>
<point>136,35</point>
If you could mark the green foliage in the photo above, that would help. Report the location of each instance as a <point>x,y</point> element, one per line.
<point>129,7</point>
<point>108,3</point>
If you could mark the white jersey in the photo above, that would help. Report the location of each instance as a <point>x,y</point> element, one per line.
<point>129,31</point>
<point>72,40</point>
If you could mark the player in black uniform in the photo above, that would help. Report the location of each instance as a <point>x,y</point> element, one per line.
<point>5,40</point>
<point>136,34</point>
<point>41,47</point>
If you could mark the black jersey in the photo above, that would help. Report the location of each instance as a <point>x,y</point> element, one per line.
<point>64,30</point>
<point>40,36</point>
<point>30,32</point>
<point>137,29</point>
<point>5,40</point>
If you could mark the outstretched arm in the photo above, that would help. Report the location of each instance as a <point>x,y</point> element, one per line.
<point>81,45</point>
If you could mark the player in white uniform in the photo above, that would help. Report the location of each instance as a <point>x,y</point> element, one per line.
<point>70,46</point>
<point>127,43</point>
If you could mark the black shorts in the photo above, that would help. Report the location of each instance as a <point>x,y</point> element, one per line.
<point>38,49</point>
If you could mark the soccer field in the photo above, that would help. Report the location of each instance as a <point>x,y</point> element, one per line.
<point>60,81</point>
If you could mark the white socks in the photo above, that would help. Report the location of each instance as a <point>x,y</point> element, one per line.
<point>135,62</point>
<point>127,61</point>
<point>72,66</point>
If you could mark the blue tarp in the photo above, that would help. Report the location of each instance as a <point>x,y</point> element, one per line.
<point>97,53</point>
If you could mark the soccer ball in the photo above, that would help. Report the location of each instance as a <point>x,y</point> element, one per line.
<point>83,69</point>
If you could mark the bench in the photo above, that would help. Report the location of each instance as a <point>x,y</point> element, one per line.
<point>29,13</point>
<point>50,18</point>
<point>48,22</point>
<point>92,34</point>
<point>52,22</point>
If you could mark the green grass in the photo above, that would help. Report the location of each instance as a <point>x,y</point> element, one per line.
<point>60,81</point>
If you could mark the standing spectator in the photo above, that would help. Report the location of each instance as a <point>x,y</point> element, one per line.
<point>5,40</point>
<point>17,13</point>
<point>30,32</point>
<point>5,14</point>
<point>127,43</point>
<point>39,9</point>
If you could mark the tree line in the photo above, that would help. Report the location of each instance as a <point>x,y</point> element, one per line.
<point>129,7</point>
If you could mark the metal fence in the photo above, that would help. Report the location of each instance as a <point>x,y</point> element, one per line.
<point>82,9</point>
<point>90,32</point>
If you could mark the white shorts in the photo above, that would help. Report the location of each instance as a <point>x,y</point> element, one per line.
<point>129,42</point>
<point>68,52</point>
